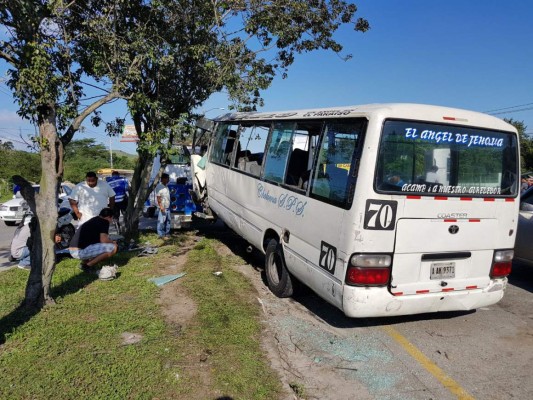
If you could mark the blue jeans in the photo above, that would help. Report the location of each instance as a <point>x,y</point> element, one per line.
<point>24,259</point>
<point>163,223</point>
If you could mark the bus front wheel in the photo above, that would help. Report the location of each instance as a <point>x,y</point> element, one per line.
<point>278,278</point>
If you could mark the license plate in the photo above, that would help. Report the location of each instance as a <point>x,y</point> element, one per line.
<point>442,270</point>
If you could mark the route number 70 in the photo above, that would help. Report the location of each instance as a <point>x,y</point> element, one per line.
<point>380,214</point>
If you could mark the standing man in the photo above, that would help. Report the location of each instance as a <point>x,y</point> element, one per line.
<point>120,186</point>
<point>88,198</point>
<point>91,243</point>
<point>163,201</point>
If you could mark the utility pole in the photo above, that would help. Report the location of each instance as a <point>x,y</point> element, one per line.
<point>110,153</point>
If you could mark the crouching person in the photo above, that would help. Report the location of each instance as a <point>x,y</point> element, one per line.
<point>91,243</point>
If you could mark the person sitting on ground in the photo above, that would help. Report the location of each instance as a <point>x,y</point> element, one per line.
<point>19,244</point>
<point>20,250</point>
<point>91,243</point>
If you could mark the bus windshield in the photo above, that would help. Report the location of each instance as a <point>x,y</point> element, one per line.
<point>434,159</point>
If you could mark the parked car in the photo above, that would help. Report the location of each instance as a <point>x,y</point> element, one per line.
<point>523,251</point>
<point>12,211</point>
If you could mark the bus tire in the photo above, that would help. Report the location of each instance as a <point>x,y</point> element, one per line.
<point>278,277</point>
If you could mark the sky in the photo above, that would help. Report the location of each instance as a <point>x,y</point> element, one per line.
<point>471,54</point>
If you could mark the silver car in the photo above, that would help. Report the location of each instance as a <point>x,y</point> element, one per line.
<point>523,251</point>
<point>12,211</point>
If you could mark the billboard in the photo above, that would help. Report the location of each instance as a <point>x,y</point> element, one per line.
<point>129,134</point>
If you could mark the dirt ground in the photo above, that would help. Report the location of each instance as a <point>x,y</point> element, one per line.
<point>309,367</point>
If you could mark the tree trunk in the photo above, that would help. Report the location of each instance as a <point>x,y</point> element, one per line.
<point>139,192</point>
<point>38,289</point>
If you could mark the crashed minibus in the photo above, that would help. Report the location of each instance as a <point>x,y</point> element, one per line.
<point>383,209</point>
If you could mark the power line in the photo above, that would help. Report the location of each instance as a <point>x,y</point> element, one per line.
<point>511,111</point>
<point>17,129</point>
<point>508,108</point>
<point>14,140</point>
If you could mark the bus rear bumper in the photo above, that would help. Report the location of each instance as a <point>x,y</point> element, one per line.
<point>362,302</point>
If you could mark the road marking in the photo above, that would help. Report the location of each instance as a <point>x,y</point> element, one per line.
<point>429,365</point>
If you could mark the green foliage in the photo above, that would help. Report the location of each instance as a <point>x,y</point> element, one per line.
<point>17,162</point>
<point>171,55</point>
<point>80,156</point>
<point>85,155</point>
<point>43,72</point>
<point>6,145</point>
<point>526,145</point>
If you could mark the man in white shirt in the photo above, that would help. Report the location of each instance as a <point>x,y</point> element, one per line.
<point>163,202</point>
<point>88,198</point>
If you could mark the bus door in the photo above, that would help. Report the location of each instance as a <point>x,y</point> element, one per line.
<point>451,189</point>
<point>221,156</point>
<point>331,187</point>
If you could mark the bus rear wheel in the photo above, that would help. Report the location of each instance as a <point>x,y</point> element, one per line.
<point>278,277</point>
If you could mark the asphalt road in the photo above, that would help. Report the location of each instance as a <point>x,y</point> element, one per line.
<point>480,354</point>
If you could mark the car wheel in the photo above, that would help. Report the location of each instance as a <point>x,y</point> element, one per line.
<point>278,277</point>
<point>10,223</point>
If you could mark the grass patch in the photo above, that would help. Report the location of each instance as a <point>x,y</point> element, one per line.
<point>227,326</point>
<point>74,349</point>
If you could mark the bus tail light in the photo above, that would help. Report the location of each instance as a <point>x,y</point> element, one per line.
<point>369,270</point>
<point>502,263</point>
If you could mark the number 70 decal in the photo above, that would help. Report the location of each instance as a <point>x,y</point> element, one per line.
<point>380,215</point>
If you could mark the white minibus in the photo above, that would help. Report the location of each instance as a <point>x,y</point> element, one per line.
<point>386,209</point>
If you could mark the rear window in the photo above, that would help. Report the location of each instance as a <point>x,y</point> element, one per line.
<point>437,159</point>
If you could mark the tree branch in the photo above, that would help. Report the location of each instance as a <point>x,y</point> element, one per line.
<point>73,128</point>
<point>8,58</point>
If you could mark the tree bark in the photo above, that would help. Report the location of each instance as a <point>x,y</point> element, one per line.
<point>38,288</point>
<point>139,192</point>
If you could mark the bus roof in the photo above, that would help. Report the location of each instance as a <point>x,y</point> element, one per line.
<point>437,114</point>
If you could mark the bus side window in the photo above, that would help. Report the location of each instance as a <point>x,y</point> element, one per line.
<point>222,148</point>
<point>278,152</point>
<point>331,176</point>
<point>300,159</point>
<point>297,167</point>
<point>228,149</point>
<point>252,142</point>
